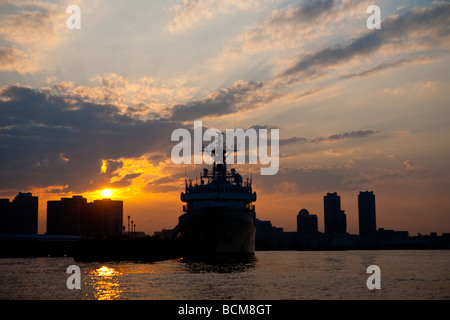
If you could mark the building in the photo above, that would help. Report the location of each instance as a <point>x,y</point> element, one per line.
<point>76,216</point>
<point>267,236</point>
<point>5,216</point>
<point>335,219</point>
<point>306,223</point>
<point>164,234</point>
<point>366,213</point>
<point>107,218</point>
<point>19,216</point>
<point>67,216</point>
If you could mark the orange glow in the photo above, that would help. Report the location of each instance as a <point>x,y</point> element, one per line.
<point>103,167</point>
<point>107,193</point>
<point>105,271</point>
<point>105,282</point>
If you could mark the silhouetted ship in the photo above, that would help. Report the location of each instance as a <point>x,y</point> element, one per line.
<point>219,218</point>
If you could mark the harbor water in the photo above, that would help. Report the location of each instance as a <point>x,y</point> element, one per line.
<point>270,275</point>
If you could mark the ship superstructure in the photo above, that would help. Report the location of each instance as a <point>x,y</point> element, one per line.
<point>219,215</point>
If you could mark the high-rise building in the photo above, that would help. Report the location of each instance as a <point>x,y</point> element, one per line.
<point>335,219</point>
<point>306,223</point>
<point>366,213</point>
<point>267,234</point>
<point>107,217</point>
<point>66,216</point>
<point>19,216</point>
<point>76,216</point>
<point>5,216</point>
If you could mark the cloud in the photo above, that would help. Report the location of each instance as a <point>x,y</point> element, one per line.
<point>125,181</point>
<point>258,127</point>
<point>331,138</point>
<point>412,167</point>
<point>408,172</point>
<point>346,135</point>
<point>36,128</point>
<point>304,179</point>
<point>74,138</point>
<point>29,33</point>
<point>196,12</point>
<point>239,96</point>
<point>144,97</point>
<point>306,23</point>
<point>343,175</point>
<point>302,13</point>
<point>399,30</point>
<point>12,59</point>
<point>52,140</point>
<point>417,88</point>
<point>339,152</point>
<point>387,66</point>
<point>31,27</point>
<point>163,185</point>
<point>293,140</point>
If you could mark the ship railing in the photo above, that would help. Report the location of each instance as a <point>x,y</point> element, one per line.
<point>231,189</point>
<point>249,197</point>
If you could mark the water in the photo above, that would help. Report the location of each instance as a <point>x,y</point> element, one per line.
<point>273,275</point>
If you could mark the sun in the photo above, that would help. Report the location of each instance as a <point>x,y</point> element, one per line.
<point>107,193</point>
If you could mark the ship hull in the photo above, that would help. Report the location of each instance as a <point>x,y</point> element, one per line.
<point>217,231</point>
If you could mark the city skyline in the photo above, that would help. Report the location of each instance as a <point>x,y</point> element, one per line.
<point>89,109</point>
<point>76,216</point>
<point>76,210</point>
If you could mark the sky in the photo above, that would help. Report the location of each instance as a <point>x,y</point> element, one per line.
<point>357,109</point>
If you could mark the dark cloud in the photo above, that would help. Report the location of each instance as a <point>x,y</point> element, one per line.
<point>239,96</point>
<point>346,135</point>
<point>432,21</point>
<point>334,137</point>
<point>386,67</point>
<point>58,139</point>
<point>258,126</point>
<point>125,181</point>
<point>293,140</point>
<point>165,184</point>
<point>46,140</point>
<point>113,165</point>
<point>311,64</point>
<point>303,12</point>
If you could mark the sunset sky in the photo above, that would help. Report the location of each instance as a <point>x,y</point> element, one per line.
<point>357,109</point>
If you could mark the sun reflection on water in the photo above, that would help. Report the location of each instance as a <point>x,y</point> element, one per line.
<point>105,282</point>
